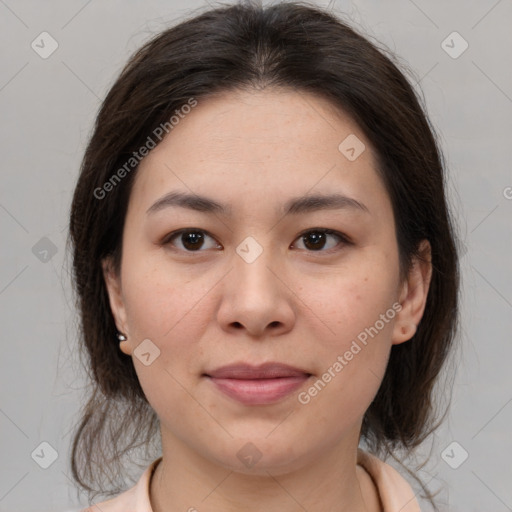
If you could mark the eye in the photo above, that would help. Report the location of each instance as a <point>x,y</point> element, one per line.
<point>191,240</point>
<point>313,240</point>
<point>319,239</point>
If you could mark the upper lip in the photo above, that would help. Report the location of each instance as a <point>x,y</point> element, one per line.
<point>263,371</point>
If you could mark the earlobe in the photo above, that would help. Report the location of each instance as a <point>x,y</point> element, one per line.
<point>413,297</point>
<point>123,344</point>
<point>113,285</point>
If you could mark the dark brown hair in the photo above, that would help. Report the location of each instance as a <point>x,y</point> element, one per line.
<point>247,46</point>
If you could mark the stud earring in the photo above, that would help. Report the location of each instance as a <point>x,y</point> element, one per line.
<point>121,337</point>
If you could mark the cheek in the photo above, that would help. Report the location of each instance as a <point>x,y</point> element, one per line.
<point>171,311</point>
<point>357,306</point>
<point>350,302</point>
<point>162,301</point>
<point>353,360</point>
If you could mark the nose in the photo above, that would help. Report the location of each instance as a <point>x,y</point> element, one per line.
<point>256,298</point>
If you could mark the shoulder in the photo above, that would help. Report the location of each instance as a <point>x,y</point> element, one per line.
<point>135,499</point>
<point>124,502</point>
<point>394,491</point>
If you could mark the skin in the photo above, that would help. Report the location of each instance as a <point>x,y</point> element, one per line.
<point>252,151</point>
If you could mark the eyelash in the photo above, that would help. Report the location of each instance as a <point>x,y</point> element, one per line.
<point>343,239</point>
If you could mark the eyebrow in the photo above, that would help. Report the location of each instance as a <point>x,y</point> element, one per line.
<point>294,206</point>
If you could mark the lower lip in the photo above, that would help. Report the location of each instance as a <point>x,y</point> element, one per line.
<point>259,391</point>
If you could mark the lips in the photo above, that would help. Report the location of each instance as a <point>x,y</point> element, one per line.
<point>258,385</point>
<point>263,371</point>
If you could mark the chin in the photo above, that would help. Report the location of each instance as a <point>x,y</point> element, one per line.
<point>261,455</point>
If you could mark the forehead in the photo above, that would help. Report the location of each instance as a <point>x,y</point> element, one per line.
<point>268,144</point>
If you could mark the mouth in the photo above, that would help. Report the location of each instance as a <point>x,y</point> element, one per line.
<point>258,385</point>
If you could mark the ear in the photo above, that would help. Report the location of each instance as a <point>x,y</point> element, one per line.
<point>115,295</point>
<point>413,295</point>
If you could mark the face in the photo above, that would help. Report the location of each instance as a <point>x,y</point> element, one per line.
<point>227,259</point>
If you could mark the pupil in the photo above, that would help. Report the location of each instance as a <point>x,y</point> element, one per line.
<point>317,240</point>
<point>192,240</point>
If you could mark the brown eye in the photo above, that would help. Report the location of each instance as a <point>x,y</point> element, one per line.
<point>321,239</point>
<point>191,240</point>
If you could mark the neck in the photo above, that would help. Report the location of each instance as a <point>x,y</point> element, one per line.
<point>186,481</point>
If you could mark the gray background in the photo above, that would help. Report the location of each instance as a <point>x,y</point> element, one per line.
<point>47,110</point>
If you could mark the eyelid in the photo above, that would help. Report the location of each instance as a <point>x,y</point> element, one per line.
<point>327,231</point>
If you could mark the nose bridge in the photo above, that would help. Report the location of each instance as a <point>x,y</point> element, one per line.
<point>253,297</point>
<point>251,265</point>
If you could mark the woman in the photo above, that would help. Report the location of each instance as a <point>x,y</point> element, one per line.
<point>266,270</point>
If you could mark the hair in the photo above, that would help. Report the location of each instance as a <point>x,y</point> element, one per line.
<point>246,46</point>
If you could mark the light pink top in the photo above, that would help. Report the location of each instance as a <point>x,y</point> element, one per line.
<point>396,495</point>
